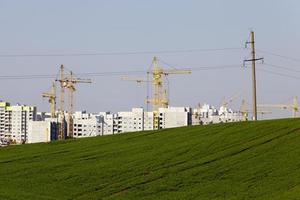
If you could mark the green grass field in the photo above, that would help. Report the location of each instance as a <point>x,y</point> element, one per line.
<point>248,160</point>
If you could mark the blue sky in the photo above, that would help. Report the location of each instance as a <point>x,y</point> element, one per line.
<point>51,27</point>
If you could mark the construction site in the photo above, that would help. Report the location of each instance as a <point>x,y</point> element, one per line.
<point>61,122</point>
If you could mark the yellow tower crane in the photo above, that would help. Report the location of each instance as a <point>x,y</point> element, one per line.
<point>51,99</point>
<point>245,112</point>
<point>294,106</point>
<point>71,82</point>
<point>160,98</point>
<point>159,93</point>
<point>138,80</point>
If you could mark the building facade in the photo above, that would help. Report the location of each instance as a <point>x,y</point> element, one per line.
<point>172,117</point>
<point>135,120</point>
<point>207,114</point>
<point>42,131</point>
<point>87,125</point>
<point>14,121</point>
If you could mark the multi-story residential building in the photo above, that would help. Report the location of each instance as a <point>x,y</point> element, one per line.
<point>42,131</point>
<point>174,117</point>
<point>4,119</point>
<point>110,123</point>
<point>228,115</point>
<point>20,123</point>
<point>87,125</point>
<point>207,114</point>
<point>136,120</point>
<point>106,123</point>
<point>15,121</point>
<point>131,121</point>
<point>148,121</point>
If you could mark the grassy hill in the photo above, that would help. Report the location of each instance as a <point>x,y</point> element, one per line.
<point>249,160</point>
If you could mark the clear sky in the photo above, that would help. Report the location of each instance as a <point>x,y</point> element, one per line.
<point>76,26</point>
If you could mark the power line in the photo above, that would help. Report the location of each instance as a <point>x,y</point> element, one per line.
<point>112,73</point>
<point>120,73</point>
<point>203,67</point>
<point>281,67</point>
<point>49,76</point>
<point>216,67</point>
<point>278,55</point>
<point>280,74</point>
<point>118,53</point>
<point>16,77</point>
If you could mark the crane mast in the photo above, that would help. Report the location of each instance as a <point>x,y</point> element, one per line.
<point>71,88</point>
<point>160,95</point>
<point>62,81</point>
<point>71,82</point>
<point>157,73</point>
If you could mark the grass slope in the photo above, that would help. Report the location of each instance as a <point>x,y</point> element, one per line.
<point>249,160</point>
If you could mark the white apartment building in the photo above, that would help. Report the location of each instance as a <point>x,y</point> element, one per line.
<point>228,115</point>
<point>5,126</point>
<point>174,117</point>
<point>87,125</point>
<point>110,123</point>
<point>136,120</point>
<point>15,120</point>
<point>42,131</point>
<point>148,121</point>
<point>207,114</point>
<point>106,123</point>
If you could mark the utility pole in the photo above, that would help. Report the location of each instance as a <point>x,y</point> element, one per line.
<point>253,60</point>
